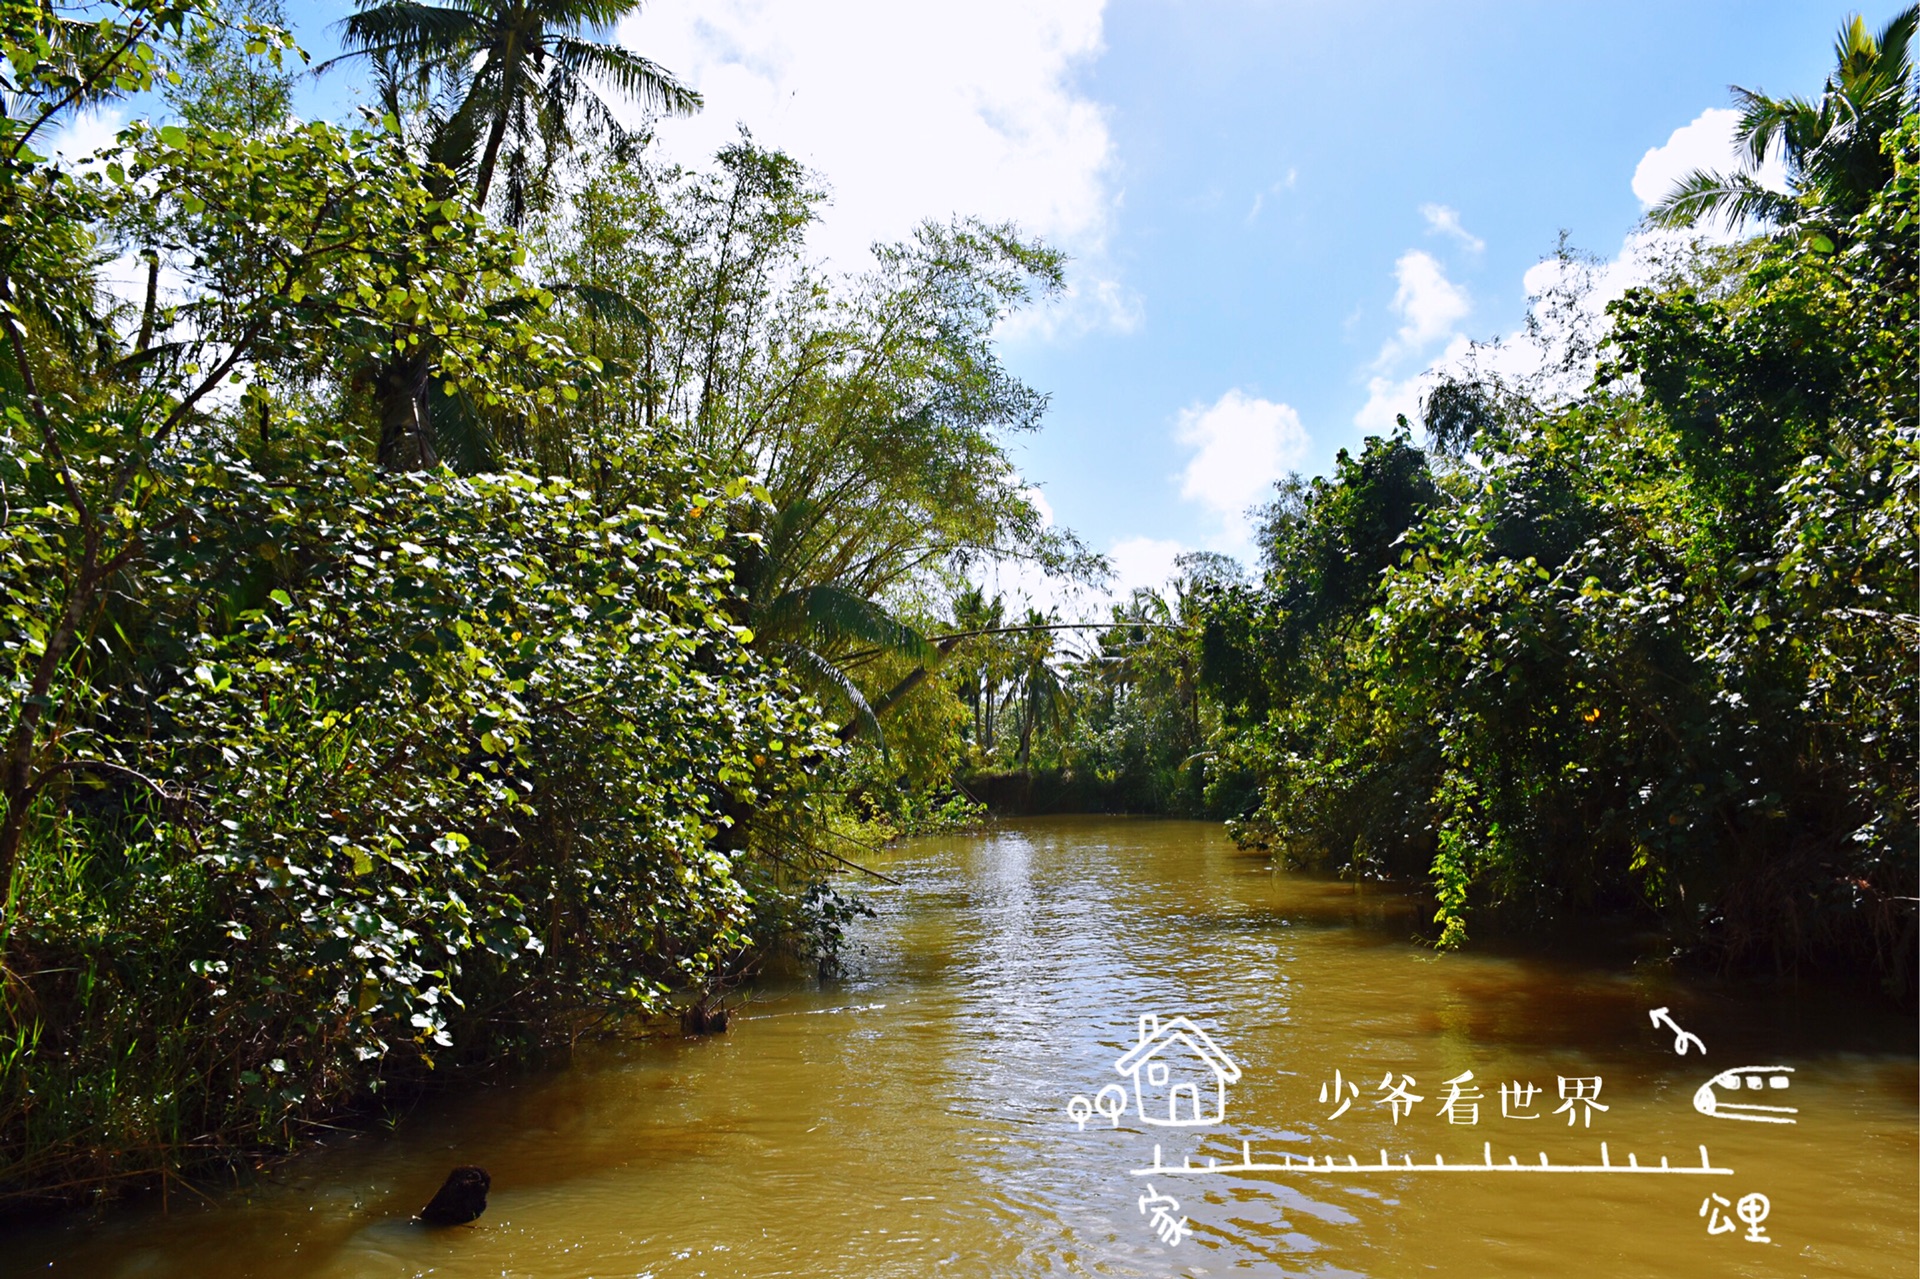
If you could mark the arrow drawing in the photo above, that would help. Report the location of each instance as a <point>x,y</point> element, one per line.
<point>1680,1037</point>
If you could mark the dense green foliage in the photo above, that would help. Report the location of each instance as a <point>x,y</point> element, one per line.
<point>424,641</point>
<point>1649,647</point>
<point>1102,716</point>
<point>412,770</point>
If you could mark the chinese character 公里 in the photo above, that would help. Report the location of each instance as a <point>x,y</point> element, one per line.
<point>1752,1209</point>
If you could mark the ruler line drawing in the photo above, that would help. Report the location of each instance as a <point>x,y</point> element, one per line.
<point>1329,1164</point>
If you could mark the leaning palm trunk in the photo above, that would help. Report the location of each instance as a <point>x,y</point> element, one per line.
<point>406,437</point>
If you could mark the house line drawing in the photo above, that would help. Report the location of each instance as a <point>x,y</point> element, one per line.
<point>1180,1075</point>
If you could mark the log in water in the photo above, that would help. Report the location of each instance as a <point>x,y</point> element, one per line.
<point>919,1117</point>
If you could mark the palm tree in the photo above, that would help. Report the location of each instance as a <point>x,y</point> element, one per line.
<point>976,676</point>
<point>523,72</point>
<point>1041,696</point>
<point>1831,147</point>
<point>809,625</point>
<point>529,70</point>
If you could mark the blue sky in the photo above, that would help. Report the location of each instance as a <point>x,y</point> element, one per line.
<point>1341,121</point>
<point>1280,213</point>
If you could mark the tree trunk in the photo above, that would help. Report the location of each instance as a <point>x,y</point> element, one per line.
<point>894,695</point>
<point>406,435</point>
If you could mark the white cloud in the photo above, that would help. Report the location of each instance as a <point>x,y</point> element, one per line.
<point>1242,445</point>
<point>1554,360</point>
<point>1280,187</point>
<point>1136,562</point>
<point>910,112</point>
<point>1387,397</point>
<point>1430,307</point>
<point>1089,303</point>
<point>1429,303</point>
<point>1022,585</point>
<point>77,140</point>
<point>86,133</point>
<point>1537,362</point>
<point>1443,220</point>
<point>1143,561</point>
<point>1706,143</point>
<point>1644,256</point>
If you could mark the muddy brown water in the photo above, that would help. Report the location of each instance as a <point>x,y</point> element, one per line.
<point>914,1118</point>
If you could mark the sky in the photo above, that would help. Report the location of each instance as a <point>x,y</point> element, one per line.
<point>1280,215</point>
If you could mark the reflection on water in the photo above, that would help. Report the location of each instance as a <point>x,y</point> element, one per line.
<point>912,1119</point>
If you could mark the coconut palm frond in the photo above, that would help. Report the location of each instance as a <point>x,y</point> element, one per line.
<point>1792,123</point>
<point>1895,40</point>
<point>453,139</point>
<point>640,79</point>
<point>462,433</point>
<point>607,304</point>
<point>424,33</point>
<point>810,664</point>
<point>1703,196</point>
<point>529,75</point>
<point>831,614</point>
<point>1831,145</point>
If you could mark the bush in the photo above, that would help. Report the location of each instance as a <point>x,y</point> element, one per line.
<point>384,773</point>
<point>1650,650</point>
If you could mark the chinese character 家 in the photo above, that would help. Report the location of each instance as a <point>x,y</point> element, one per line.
<point>1163,1207</point>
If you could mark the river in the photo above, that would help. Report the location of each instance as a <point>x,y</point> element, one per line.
<point>917,1118</point>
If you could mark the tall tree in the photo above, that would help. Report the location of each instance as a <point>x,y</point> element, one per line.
<point>873,409</point>
<point>531,70</point>
<point>523,72</point>
<point>1040,695</point>
<point>1832,150</point>
<point>285,244</point>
